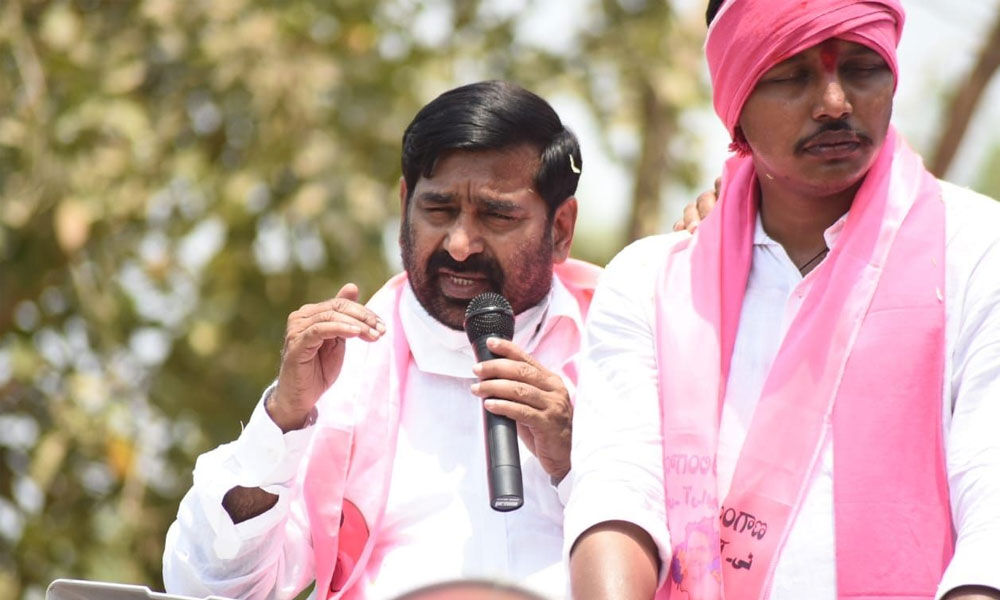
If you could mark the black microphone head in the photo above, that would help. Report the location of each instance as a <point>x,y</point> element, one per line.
<point>490,314</point>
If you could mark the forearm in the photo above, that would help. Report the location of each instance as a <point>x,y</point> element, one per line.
<point>244,503</point>
<point>231,537</point>
<point>267,558</point>
<point>614,560</point>
<point>617,511</point>
<point>263,456</point>
<point>973,448</point>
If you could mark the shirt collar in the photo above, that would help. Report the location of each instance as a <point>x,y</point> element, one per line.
<point>438,349</point>
<point>831,234</point>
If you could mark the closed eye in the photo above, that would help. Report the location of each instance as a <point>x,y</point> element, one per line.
<point>500,211</point>
<point>438,213</point>
<point>866,69</point>
<point>789,77</point>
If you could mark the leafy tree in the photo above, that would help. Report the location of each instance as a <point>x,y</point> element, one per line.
<point>176,177</point>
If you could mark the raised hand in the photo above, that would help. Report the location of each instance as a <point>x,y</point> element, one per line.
<point>313,353</point>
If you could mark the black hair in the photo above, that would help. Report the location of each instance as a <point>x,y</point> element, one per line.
<point>713,9</point>
<point>494,115</point>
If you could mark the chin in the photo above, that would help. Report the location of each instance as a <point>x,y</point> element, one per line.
<point>833,182</point>
<point>456,324</point>
<point>448,312</point>
<point>842,177</point>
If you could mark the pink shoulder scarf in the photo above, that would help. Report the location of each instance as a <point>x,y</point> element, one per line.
<point>350,458</point>
<point>864,354</point>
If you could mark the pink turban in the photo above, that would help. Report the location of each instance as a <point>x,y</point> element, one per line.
<point>748,37</point>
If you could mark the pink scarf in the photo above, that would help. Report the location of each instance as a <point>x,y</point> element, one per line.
<point>863,358</point>
<point>865,353</point>
<point>350,458</point>
<point>351,453</point>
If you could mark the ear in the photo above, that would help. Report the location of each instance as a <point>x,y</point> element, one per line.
<point>563,225</point>
<point>402,195</point>
<point>402,206</point>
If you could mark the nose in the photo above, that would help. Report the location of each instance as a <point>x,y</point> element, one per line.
<point>833,102</point>
<point>463,239</point>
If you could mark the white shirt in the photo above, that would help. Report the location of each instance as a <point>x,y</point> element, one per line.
<point>617,451</point>
<point>437,526</point>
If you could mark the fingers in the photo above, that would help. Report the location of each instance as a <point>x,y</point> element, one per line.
<point>691,217</point>
<point>538,414</point>
<point>517,377</point>
<point>509,349</point>
<point>514,364</point>
<point>515,391</point>
<point>549,428</point>
<point>520,413</point>
<point>304,344</point>
<point>343,308</point>
<point>706,202</point>
<point>517,386</point>
<point>321,328</point>
<point>696,212</point>
<point>348,291</point>
<point>370,327</point>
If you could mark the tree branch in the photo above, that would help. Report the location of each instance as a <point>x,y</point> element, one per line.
<point>963,105</point>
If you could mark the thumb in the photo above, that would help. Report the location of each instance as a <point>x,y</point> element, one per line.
<point>349,292</point>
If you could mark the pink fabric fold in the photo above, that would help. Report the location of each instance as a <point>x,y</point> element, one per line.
<point>350,459</point>
<point>862,360</point>
<point>749,37</point>
<point>865,353</point>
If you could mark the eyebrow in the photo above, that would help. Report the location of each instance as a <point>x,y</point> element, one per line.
<point>861,50</point>
<point>499,205</point>
<point>436,198</point>
<point>857,50</point>
<point>791,60</point>
<point>486,203</point>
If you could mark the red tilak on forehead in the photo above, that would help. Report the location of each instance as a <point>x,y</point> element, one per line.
<point>828,53</point>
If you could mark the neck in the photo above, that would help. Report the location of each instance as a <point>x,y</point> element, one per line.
<point>798,221</point>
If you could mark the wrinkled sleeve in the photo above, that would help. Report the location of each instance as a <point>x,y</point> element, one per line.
<point>617,442</point>
<point>268,556</point>
<point>973,434</point>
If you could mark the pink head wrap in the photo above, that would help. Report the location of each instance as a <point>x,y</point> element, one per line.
<point>748,37</point>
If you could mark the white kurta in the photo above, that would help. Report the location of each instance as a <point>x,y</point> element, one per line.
<point>617,453</point>
<point>438,525</point>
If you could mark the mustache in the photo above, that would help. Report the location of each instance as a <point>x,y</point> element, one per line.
<point>477,263</point>
<point>829,127</point>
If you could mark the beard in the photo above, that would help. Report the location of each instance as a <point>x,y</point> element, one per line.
<point>524,282</point>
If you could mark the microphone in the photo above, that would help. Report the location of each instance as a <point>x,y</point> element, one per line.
<point>490,315</point>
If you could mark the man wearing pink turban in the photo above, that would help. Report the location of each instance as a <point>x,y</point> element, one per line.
<point>800,400</point>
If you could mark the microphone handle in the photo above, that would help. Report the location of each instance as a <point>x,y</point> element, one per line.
<point>503,459</point>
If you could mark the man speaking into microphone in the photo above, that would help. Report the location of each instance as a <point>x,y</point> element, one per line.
<point>363,466</point>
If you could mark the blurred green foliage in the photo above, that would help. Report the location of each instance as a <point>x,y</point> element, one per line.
<point>176,177</point>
